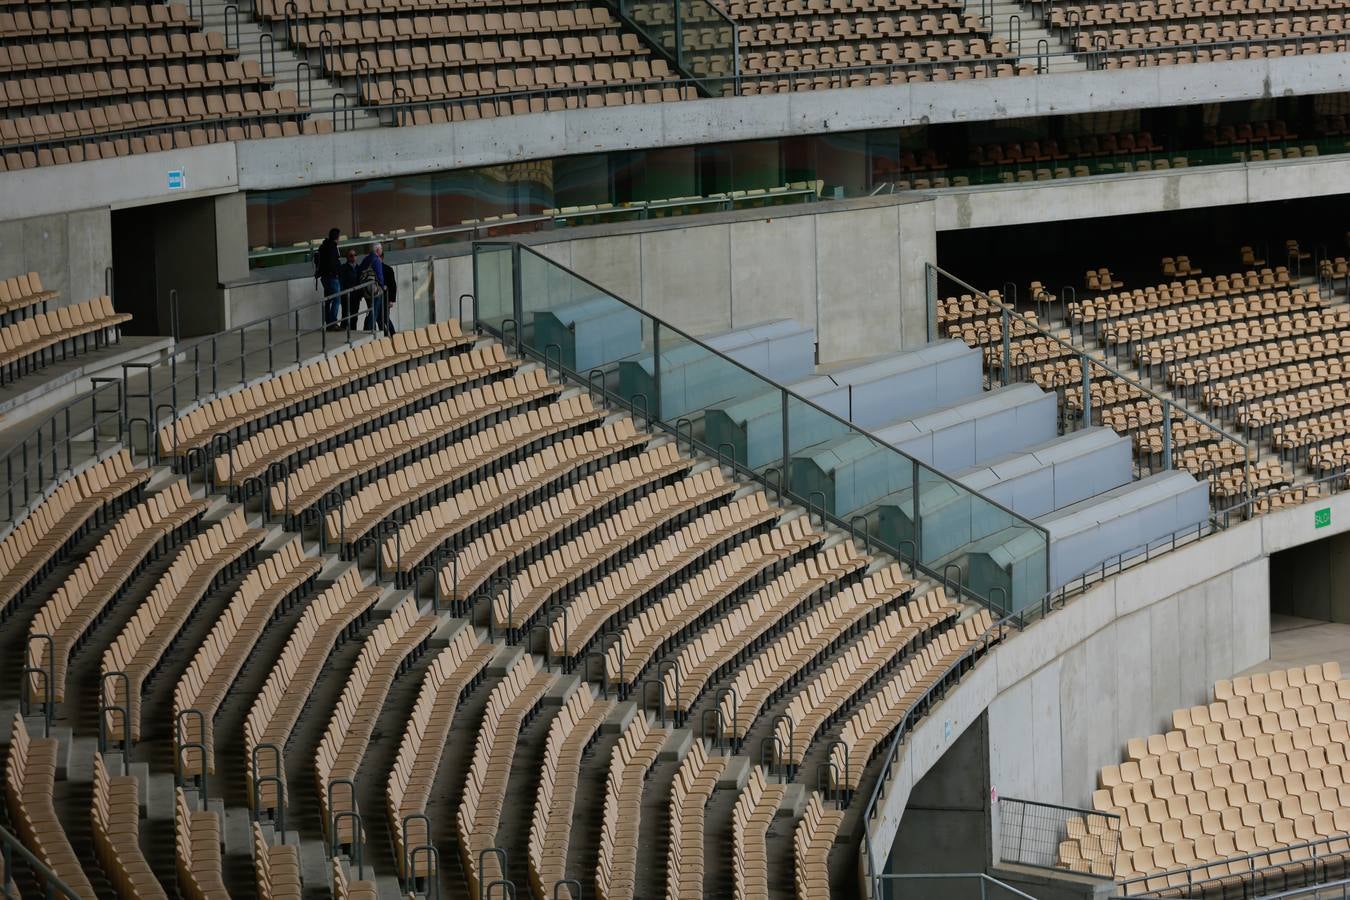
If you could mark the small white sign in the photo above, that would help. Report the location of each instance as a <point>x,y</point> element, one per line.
<point>177,180</point>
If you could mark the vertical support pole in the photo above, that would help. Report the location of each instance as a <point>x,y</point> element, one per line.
<point>517,299</point>
<point>787,448</point>
<point>655,411</point>
<point>1086,365</point>
<point>1167,434</point>
<point>1007,347</point>
<point>914,514</point>
<point>931,289</point>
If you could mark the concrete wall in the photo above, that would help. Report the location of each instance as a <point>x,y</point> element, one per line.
<point>1065,695</point>
<point>70,251</point>
<point>287,162</point>
<point>852,270</point>
<point>1145,192</point>
<point>373,153</point>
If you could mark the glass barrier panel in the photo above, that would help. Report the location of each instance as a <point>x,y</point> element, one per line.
<point>999,556</point>
<point>493,285</point>
<point>569,322</point>
<point>717,402</point>
<point>729,411</point>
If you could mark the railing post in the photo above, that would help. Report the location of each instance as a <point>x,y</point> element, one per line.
<point>1007,347</point>
<point>1167,434</point>
<point>1086,365</point>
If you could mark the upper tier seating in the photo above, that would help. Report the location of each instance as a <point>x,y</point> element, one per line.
<point>88,82</point>
<point>790,45</point>
<point>1117,33</point>
<point>477,60</point>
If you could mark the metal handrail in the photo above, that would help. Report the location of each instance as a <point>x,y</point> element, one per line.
<point>984,881</point>
<point>580,378</point>
<point>1193,875</point>
<point>11,843</point>
<point>892,753</point>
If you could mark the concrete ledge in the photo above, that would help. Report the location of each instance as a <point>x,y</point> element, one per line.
<point>60,382</point>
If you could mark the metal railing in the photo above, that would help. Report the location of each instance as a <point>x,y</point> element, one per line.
<point>1030,834</point>
<point>612,348</point>
<point>1331,890</point>
<point>10,845</point>
<point>1252,876</point>
<point>956,886</point>
<point>119,410</point>
<point>1004,362</point>
<point>873,855</point>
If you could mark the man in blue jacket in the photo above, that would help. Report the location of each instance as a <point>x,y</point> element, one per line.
<point>372,272</point>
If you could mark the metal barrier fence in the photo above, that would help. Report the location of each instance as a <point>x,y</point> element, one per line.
<point>1030,834</point>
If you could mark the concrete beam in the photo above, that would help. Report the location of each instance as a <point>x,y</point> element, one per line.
<point>374,153</point>
<point>118,183</point>
<point>1201,187</point>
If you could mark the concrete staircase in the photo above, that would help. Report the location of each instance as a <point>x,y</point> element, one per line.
<point>282,64</point>
<point>1025,40</point>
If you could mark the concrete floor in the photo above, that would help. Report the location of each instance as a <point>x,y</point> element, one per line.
<point>1300,642</point>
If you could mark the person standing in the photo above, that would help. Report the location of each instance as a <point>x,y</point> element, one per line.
<point>326,263</point>
<point>349,278</point>
<point>372,274</point>
<point>386,320</point>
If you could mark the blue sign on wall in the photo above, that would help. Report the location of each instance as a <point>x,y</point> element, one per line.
<point>177,181</point>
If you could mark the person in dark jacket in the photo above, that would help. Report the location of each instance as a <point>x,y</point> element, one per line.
<point>372,272</point>
<point>386,320</point>
<point>326,264</point>
<point>349,278</point>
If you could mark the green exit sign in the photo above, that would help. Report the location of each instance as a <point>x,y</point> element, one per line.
<point>1322,518</point>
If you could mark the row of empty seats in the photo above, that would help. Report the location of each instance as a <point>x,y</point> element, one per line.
<point>204,563</point>
<point>569,735</point>
<point>819,633</point>
<point>240,413</point>
<point>633,757</point>
<point>689,795</point>
<point>197,851</point>
<point>395,642</point>
<point>410,441</point>
<point>512,703</point>
<point>1258,769</point>
<point>30,774</point>
<point>365,410</point>
<point>48,533</point>
<point>77,605</point>
<point>116,812</point>
<point>271,719</point>
<point>266,591</point>
<point>866,730</point>
<point>20,294</point>
<point>455,671</point>
<point>31,344</point>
